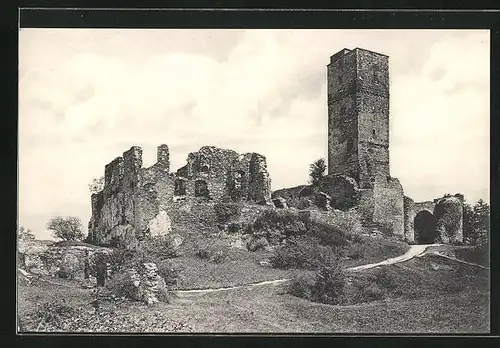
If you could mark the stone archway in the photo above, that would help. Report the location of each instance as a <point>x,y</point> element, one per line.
<point>424,225</point>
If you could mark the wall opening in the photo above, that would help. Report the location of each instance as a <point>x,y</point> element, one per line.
<point>201,189</point>
<point>425,227</point>
<point>180,187</point>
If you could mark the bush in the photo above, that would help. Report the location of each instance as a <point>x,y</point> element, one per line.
<point>330,282</point>
<point>276,225</point>
<point>302,286</point>
<point>234,227</point>
<point>385,279</point>
<point>371,293</point>
<point>203,253</point>
<point>156,250</point>
<point>214,253</point>
<point>325,286</point>
<point>355,250</point>
<point>258,243</point>
<point>53,312</point>
<point>328,234</point>
<point>168,273</point>
<point>121,285</point>
<point>303,252</point>
<point>219,257</point>
<point>227,211</point>
<point>66,228</point>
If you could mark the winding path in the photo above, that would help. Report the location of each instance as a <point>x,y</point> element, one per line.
<point>414,251</point>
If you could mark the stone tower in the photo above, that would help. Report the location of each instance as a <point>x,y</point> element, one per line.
<point>358,115</point>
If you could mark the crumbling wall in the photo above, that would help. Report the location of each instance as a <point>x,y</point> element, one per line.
<point>389,208</point>
<point>382,207</point>
<point>342,189</point>
<point>449,219</point>
<point>136,203</point>
<point>130,199</point>
<point>409,217</point>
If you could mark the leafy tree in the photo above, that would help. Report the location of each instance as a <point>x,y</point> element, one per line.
<point>476,223</point>
<point>25,233</point>
<point>96,185</point>
<point>66,228</point>
<point>317,171</point>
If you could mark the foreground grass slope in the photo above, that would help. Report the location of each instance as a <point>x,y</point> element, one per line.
<point>431,295</point>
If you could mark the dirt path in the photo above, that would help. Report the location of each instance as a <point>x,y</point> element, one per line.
<point>414,251</point>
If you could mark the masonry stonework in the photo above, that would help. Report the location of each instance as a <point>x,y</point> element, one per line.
<point>136,203</point>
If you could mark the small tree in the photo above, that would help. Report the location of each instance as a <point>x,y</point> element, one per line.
<point>477,223</point>
<point>66,228</point>
<point>25,233</point>
<point>317,171</point>
<point>96,185</point>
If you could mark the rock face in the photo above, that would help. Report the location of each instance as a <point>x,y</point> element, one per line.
<point>147,283</point>
<point>136,203</point>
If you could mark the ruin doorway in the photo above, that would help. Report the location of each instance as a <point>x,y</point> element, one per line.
<point>201,189</point>
<point>425,227</point>
<point>180,187</point>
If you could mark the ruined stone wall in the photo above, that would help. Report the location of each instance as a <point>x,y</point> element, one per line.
<point>135,200</point>
<point>389,206</point>
<point>130,199</point>
<point>409,217</point>
<point>449,219</point>
<point>448,214</point>
<point>383,206</point>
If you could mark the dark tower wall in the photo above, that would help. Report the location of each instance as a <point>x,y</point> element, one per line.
<point>358,115</point>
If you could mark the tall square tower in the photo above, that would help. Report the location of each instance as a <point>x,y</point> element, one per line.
<point>358,115</point>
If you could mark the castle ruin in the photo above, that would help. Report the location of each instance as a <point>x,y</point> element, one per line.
<point>135,201</point>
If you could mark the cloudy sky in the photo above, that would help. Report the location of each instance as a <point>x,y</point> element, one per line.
<point>85,96</point>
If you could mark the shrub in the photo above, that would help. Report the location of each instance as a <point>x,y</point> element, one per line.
<point>371,293</point>
<point>304,252</point>
<point>227,211</point>
<point>168,273</point>
<point>53,312</point>
<point>259,243</point>
<point>214,253</point>
<point>355,250</point>
<point>219,257</point>
<point>302,286</point>
<point>121,285</point>
<point>156,250</point>
<point>327,234</point>
<point>330,282</point>
<point>203,253</point>
<point>234,227</point>
<point>278,224</point>
<point>385,279</point>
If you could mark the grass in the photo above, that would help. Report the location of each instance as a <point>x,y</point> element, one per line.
<point>429,303</point>
<point>239,269</point>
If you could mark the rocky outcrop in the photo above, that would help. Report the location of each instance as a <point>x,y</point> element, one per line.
<point>148,285</point>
